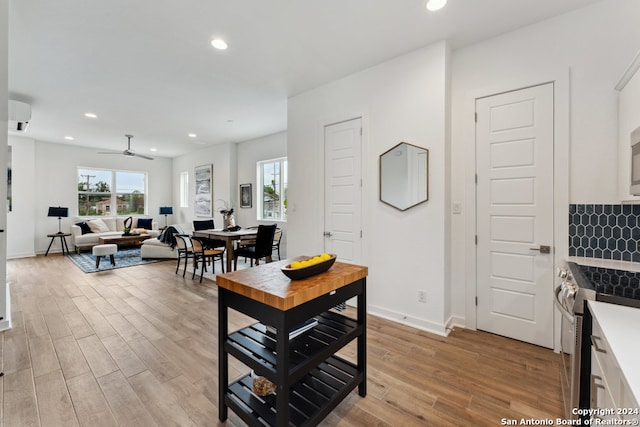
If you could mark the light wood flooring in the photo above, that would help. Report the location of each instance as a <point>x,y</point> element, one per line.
<point>137,347</point>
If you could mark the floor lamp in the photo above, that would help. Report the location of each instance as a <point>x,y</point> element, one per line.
<point>59,212</point>
<point>166,210</point>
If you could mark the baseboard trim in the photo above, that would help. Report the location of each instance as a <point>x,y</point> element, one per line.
<point>455,321</point>
<point>414,322</point>
<point>21,255</point>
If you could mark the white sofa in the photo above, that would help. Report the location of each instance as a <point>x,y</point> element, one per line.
<point>154,248</point>
<point>104,226</point>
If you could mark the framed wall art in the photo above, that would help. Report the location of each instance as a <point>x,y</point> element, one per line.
<point>204,186</point>
<point>245,196</point>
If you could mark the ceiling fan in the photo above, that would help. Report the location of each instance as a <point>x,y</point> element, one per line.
<point>128,151</point>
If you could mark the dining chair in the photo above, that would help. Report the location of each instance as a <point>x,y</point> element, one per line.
<point>261,249</point>
<point>207,224</point>
<point>247,240</point>
<point>184,249</point>
<point>204,255</point>
<point>276,241</point>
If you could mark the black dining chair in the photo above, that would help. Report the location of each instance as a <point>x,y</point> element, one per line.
<point>207,224</point>
<point>262,248</point>
<point>203,255</point>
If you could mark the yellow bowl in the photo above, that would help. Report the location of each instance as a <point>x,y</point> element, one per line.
<point>311,270</point>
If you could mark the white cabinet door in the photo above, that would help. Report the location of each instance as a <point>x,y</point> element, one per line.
<point>628,120</point>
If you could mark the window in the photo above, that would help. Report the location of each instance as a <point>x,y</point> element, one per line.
<point>272,179</point>
<point>184,189</point>
<point>96,195</point>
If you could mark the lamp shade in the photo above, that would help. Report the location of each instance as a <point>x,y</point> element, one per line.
<point>166,210</point>
<point>58,211</point>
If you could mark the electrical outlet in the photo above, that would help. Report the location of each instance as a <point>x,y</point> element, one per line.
<point>422,296</point>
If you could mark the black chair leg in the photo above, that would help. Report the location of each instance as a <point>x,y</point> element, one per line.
<point>186,261</point>
<point>178,266</point>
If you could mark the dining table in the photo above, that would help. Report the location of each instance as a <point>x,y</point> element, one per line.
<point>228,237</point>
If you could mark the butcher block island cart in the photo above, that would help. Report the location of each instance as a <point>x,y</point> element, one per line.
<point>310,380</point>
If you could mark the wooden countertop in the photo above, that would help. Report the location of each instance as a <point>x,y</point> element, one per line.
<point>267,284</point>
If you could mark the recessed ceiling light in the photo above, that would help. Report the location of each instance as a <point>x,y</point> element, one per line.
<point>90,115</point>
<point>434,5</point>
<point>219,44</point>
<point>153,149</point>
<point>68,138</point>
<point>192,135</point>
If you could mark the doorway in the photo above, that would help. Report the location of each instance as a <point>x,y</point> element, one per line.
<point>343,190</point>
<point>515,214</point>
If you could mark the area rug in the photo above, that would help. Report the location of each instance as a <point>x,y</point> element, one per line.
<point>124,258</point>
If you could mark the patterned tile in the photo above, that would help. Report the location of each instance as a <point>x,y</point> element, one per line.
<point>605,231</point>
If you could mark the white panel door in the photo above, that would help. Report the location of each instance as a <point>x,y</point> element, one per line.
<point>342,219</point>
<point>514,154</point>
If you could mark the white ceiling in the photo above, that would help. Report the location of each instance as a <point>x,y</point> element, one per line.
<point>146,67</point>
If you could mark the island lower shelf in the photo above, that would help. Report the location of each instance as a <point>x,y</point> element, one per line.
<point>256,347</point>
<point>310,399</point>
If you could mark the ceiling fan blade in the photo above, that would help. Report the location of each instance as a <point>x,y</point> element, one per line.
<point>109,152</point>
<point>142,156</point>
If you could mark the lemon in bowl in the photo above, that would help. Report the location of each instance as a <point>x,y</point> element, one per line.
<point>309,266</point>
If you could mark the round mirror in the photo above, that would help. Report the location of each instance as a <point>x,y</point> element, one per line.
<point>404,176</point>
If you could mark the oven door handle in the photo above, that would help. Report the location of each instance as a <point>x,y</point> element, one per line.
<point>559,305</point>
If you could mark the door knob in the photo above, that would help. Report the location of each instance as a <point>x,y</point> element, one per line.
<point>543,249</point>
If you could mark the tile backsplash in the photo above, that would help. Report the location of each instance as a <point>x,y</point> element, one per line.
<point>605,231</point>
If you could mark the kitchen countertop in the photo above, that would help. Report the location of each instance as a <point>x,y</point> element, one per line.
<point>620,327</point>
<point>606,263</point>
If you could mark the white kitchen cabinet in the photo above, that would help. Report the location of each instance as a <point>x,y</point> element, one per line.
<point>601,397</point>
<point>628,120</point>
<point>611,394</point>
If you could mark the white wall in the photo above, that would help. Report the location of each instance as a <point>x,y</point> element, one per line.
<point>224,158</point>
<point>249,153</point>
<point>594,44</point>
<point>55,183</point>
<point>21,220</point>
<point>404,99</point>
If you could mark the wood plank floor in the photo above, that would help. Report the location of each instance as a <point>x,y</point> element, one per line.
<point>137,347</point>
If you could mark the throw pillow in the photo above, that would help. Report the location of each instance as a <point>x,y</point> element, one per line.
<point>98,226</point>
<point>84,227</point>
<point>145,223</point>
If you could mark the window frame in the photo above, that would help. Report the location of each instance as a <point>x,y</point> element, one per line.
<point>282,184</point>
<point>112,194</point>
<point>184,189</point>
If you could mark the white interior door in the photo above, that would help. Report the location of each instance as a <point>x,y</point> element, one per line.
<point>514,154</point>
<point>343,190</point>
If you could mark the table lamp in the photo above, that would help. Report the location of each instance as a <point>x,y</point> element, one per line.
<point>166,210</point>
<point>59,212</point>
